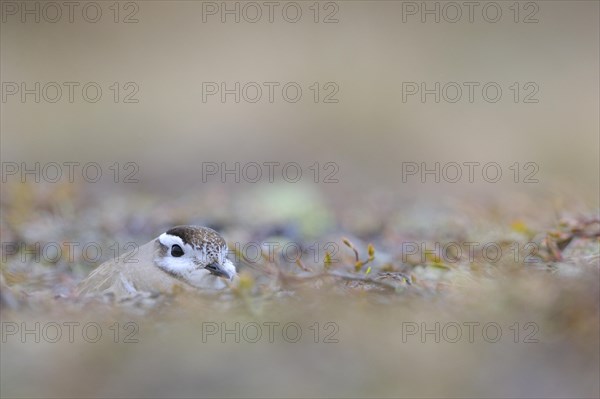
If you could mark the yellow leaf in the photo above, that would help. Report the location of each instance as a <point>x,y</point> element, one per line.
<point>327,262</point>
<point>358,265</point>
<point>519,226</point>
<point>371,250</point>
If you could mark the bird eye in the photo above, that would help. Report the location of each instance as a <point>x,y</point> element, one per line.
<point>176,251</point>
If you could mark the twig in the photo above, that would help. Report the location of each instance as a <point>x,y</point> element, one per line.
<point>347,277</point>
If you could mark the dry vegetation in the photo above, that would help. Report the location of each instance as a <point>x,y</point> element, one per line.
<point>374,272</point>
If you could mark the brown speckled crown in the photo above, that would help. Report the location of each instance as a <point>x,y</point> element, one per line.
<point>198,236</point>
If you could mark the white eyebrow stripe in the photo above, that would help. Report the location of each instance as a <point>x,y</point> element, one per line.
<point>168,240</point>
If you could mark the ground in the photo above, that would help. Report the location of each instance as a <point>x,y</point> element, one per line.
<point>451,297</point>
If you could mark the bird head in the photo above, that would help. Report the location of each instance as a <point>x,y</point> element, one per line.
<point>187,251</point>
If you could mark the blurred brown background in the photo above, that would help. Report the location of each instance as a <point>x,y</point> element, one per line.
<point>161,54</point>
<point>368,54</point>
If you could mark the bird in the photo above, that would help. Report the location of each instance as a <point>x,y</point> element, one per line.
<point>189,257</point>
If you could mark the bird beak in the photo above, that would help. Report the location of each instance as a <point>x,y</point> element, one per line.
<point>217,270</point>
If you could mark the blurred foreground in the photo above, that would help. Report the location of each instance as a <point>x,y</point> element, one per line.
<point>417,320</point>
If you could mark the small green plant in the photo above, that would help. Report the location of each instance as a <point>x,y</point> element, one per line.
<point>327,262</point>
<point>358,264</point>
